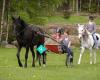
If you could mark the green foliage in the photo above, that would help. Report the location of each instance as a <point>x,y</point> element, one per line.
<point>33,20</point>
<point>85,7</point>
<point>93,8</point>
<point>34,10</point>
<point>66,14</point>
<point>25,16</point>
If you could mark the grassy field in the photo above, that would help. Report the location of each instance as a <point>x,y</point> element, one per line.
<point>71,20</point>
<point>55,69</point>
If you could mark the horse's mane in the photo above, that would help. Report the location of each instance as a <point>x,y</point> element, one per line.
<point>23,23</point>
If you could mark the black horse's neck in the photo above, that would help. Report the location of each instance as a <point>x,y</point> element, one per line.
<point>23,24</point>
<point>21,28</point>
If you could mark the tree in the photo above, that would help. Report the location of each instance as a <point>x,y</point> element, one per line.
<point>7,14</point>
<point>2,20</point>
<point>73,4</point>
<point>80,1</point>
<point>98,6</point>
<point>77,7</point>
<point>90,4</point>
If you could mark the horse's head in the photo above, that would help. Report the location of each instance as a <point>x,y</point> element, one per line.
<point>18,24</point>
<point>81,30</point>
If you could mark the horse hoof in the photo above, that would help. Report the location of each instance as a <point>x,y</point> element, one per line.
<point>78,63</point>
<point>25,66</point>
<point>20,65</point>
<point>90,62</point>
<point>44,65</point>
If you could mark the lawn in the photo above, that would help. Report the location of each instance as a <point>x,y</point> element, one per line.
<point>55,69</point>
<point>71,20</point>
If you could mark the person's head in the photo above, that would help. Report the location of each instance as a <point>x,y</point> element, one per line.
<point>66,31</point>
<point>91,18</point>
<point>60,31</point>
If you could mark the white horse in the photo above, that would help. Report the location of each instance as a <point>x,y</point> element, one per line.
<point>87,41</point>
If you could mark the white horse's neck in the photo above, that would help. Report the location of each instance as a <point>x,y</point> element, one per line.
<point>87,40</point>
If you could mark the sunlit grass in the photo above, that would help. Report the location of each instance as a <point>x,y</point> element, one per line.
<point>55,69</point>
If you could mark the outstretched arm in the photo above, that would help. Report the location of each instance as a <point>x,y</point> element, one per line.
<point>69,44</point>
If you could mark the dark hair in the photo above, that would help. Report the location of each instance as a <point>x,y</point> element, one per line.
<point>91,18</point>
<point>60,30</point>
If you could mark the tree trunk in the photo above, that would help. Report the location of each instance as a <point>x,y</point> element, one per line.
<point>8,9</point>
<point>73,5</point>
<point>90,5</point>
<point>77,8</point>
<point>98,7</point>
<point>7,30</point>
<point>2,20</point>
<point>80,5</point>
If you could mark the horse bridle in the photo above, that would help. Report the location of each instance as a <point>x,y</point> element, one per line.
<point>18,33</point>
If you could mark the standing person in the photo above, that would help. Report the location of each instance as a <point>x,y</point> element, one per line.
<point>91,27</point>
<point>65,44</point>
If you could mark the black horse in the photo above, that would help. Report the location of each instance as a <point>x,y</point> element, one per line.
<point>28,36</point>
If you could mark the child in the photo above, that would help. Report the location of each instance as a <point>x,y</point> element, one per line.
<point>91,27</point>
<point>65,44</point>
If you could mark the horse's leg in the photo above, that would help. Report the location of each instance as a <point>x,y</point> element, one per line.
<point>94,56</point>
<point>90,55</point>
<point>26,56</point>
<point>38,57</point>
<point>33,56</point>
<point>44,59</point>
<point>81,53</point>
<point>18,56</point>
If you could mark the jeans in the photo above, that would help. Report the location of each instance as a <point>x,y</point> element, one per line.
<point>68,50</point>
<point>95,40</point>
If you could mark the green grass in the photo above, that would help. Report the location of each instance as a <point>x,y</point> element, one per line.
<point>71,20</point>
<point>55,69</point>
